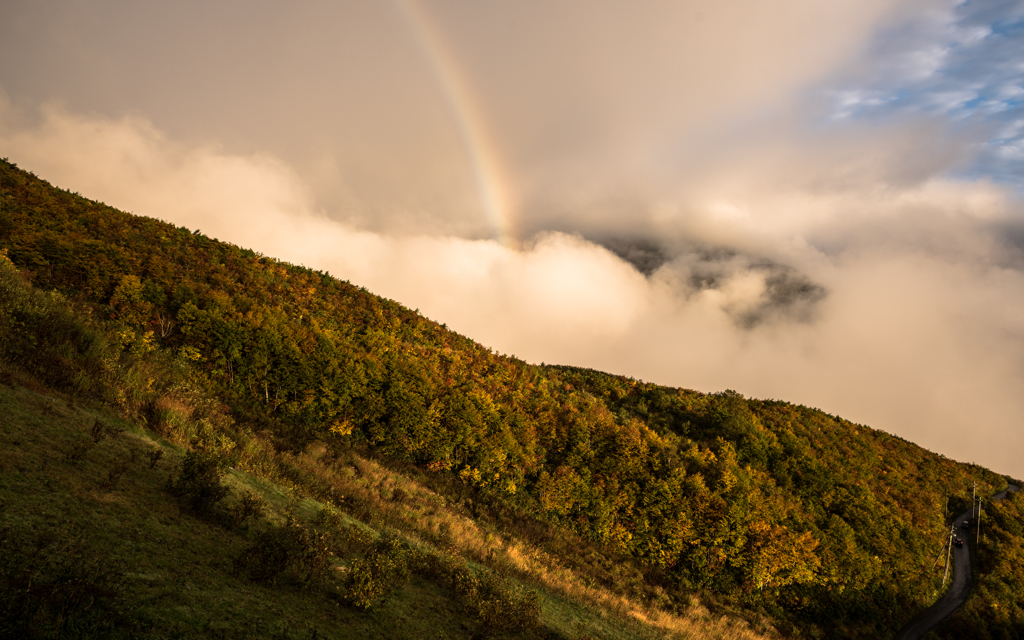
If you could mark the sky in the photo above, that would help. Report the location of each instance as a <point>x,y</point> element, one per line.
<point>813,202</point>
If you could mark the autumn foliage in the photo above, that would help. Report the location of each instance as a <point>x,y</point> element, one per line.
<point>785,509</point>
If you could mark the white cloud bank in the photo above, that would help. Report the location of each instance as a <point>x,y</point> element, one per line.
<point>891,300</point>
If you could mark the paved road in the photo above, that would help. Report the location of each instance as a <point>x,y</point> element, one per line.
<point>963,579</point>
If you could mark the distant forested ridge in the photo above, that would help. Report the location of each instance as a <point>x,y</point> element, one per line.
<point>758,504</point>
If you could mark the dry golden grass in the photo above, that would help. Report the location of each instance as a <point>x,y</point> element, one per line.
<point>425,517</point>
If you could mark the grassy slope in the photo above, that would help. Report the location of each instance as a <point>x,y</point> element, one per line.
<point>147,565</point>
<point>112,559</point>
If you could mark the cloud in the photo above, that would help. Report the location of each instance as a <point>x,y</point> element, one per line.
<point>581,98</point>
<point>893,299</point>
<point>559,289</point>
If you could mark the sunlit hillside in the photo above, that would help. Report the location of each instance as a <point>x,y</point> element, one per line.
<point>325,447</point>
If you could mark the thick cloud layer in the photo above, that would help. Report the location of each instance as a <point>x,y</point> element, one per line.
<point>911,319</point>
<point>586,100</point>
<point>809,201</point>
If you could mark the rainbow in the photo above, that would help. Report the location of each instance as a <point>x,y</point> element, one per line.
<point>491,181</point>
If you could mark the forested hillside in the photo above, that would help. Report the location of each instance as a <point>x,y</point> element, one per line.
<point>758,506</point>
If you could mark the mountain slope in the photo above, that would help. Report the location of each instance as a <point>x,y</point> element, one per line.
<point>110,530</point>
<point>756,506</point>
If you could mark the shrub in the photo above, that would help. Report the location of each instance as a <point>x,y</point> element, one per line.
<point>501,607</point>
<point>250,507</point>
<point>372,579</point>
<point>198,483</point>
<point>154,455</point>
<point>345,538</point>
<point>489,597</point>
<point>302,552</point>
<point>121,466</point>
<point>266,558</point>
<point>41,333</point>
<point>313,553</point>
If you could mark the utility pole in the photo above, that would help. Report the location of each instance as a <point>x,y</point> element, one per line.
<point>949,550</point>
<point>977,542</point>
<point>937,558</point>
<point>974,495</point>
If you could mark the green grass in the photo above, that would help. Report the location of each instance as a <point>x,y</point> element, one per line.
<point>168,573</point>
<point>94,538</point>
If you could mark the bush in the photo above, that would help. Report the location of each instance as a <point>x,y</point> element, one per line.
<point>198,483</point>
<point>41,333</point>
<point>250,507</point>
<point>372,579</point>
<point>293,549</point>
<point>266,558</point>
<point>501,607</point>
<point>345,538</point>
<point>489,597</point>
